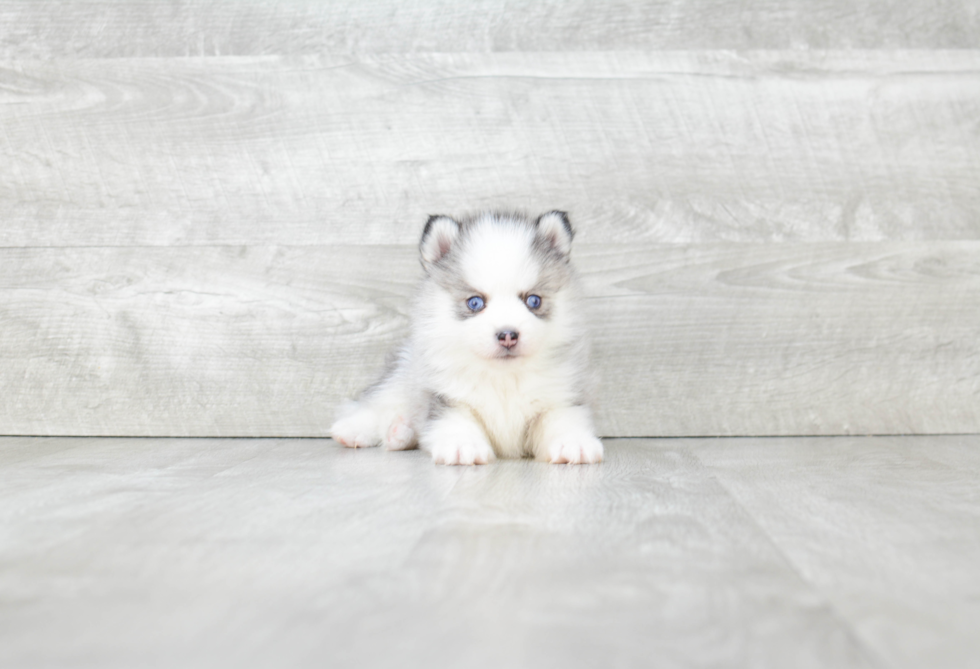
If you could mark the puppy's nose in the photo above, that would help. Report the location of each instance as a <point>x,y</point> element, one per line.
<point>507,338</point>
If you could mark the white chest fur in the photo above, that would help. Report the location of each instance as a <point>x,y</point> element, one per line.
<point>506,397</point>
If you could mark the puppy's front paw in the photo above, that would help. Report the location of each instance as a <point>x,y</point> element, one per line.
<point>359,430</point>
<point>575,449</point>
<point>462,450</point>
<point>400,436</point>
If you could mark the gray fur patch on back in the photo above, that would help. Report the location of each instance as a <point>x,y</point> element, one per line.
<point>393,359</point>
<point>438,405</point>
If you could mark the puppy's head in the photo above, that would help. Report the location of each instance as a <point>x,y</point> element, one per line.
<point>498,283</point>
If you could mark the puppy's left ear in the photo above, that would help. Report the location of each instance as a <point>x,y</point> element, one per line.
<point>438,238</point>
<point>556,231</point>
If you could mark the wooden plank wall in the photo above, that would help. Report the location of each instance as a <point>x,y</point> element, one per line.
<point>209,209</point>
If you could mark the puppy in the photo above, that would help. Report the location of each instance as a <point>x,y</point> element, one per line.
<point>496,365</point>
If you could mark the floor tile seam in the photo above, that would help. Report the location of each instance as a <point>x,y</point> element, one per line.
<point>868,651</point>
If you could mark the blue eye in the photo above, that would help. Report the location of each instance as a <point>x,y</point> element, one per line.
<point>475,303</point>
<point>532,301</point>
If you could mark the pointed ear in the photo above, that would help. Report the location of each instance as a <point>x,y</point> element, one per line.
<point>438,238</point>
<point>556,231</point>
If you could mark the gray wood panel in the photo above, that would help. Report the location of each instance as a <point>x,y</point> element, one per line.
<point>814,497</point>
<point>725,339</point>
<point>659,147</point>
<point>121,28</point>
<point>832,553</point>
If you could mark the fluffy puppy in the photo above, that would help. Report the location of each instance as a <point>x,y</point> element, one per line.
<point>496,364</point>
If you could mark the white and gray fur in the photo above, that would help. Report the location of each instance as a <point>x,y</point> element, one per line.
<point>507,380</point>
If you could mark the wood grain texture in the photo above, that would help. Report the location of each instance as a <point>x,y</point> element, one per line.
<point>814,497</point>
<point>658,146</point>
<point>788,339</point>
<point>833,553</point>
<point>121,28</point>
<point>726,339</point>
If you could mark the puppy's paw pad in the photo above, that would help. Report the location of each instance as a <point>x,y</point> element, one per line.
<point>354,432</point>
<point>400,435</point>
<point>575,450</point>
<point>462,452</point>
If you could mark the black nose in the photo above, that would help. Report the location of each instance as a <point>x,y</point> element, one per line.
<point>507,338</point>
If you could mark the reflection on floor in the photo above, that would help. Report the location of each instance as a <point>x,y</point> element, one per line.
<point>780,552</point>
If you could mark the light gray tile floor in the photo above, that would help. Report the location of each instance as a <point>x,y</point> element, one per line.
<point>803,552</point>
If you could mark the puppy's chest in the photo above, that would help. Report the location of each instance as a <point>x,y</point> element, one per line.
<point>506,405</point>
<point>505,419</point>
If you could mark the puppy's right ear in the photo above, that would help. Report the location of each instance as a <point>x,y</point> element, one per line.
<point>438,238</point>
<point>557,232</point>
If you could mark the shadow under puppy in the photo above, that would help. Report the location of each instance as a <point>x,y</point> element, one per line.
<point>497,361</point>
